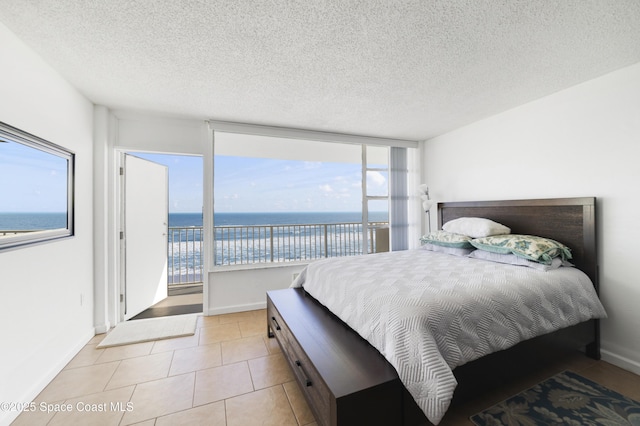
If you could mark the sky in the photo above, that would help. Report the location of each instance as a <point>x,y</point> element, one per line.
<point>185,180</point>
<point>245,184</point>
<point>31,180</point>
<point>34,181</point>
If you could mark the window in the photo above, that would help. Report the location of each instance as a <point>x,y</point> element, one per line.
<point>36,194</point>
<point>267,176</point>
<point>375,193</point>
<point>280,200</point>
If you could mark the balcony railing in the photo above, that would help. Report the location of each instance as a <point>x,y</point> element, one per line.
<point>185,262</point>
<point>261,244</point>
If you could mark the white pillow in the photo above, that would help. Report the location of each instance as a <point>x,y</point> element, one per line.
<point>475,227</point>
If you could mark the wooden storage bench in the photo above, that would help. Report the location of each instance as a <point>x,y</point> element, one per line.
<point>344,379</point>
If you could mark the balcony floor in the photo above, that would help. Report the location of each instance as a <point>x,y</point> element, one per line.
<point>183,299</point>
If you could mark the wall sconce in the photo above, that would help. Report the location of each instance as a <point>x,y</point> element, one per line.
<point>426,202</point>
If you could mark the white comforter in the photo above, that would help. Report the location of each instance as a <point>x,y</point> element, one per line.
<point>428,312</point>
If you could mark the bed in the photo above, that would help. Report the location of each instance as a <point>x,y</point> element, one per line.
<point>431,315</point>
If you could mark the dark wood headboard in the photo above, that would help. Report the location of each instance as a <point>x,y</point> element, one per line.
<point>571,221</point>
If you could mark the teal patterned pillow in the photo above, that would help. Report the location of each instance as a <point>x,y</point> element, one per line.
<point>447,239</point>
<point>538,249</point>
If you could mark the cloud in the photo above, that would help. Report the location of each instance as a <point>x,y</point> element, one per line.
<point>376,179</point>
<point>326,188</point>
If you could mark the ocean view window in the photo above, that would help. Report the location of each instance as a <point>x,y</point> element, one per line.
<point>281,200</point>
<point>36,195</point>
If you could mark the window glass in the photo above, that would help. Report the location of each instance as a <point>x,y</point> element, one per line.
<point>279,200</point>
<point>377,183</point>
<point>377,157</point>
<point>36,194</point>
<point>378,211</point>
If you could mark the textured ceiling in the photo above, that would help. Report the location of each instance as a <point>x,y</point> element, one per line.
<point>401,69</point>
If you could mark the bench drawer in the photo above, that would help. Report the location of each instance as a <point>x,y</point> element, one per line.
<point>276,329</point>
<point>344,379</point>
<point>311,383</point>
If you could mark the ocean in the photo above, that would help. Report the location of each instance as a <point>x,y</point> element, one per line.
<point>274,218</point>
<point>31,221</point>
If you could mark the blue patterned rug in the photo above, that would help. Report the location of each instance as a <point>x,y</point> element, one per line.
<point>564,399</point>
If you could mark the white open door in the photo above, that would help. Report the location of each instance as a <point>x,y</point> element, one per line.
<point>146,215</point>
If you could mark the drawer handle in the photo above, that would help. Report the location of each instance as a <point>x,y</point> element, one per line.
<point>304,375</point>
<point>275,322</point>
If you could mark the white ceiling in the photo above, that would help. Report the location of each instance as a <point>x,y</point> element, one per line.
<point>410,69</point>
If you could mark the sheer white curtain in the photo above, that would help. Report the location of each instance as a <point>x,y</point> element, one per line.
<point>414,205</point>
<point>403,183</point>
<point>398,191</point>
<point>403,211</point>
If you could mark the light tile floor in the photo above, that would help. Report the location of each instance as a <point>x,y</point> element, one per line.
<point>229,373</point>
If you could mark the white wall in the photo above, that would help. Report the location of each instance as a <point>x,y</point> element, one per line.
<point>236,289</point>
<point>43,322</point>
<point>160,134</point>
<point>582,141</point>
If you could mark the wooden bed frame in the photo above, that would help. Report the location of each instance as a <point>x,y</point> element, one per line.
<point>344,379</point>
<point>571,221</point>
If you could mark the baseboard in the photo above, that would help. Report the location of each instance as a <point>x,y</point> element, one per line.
<point>620,361</point>
<point>237,308</point>
<point>6,417</point>
<point>103,328</point>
